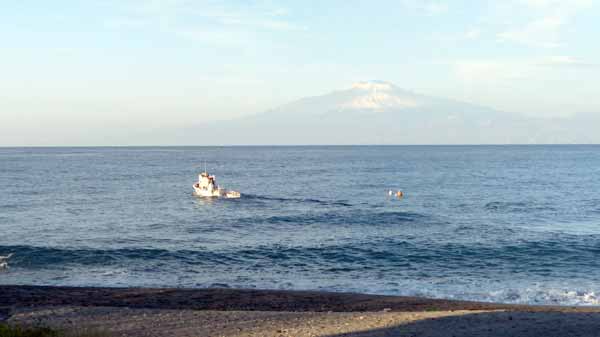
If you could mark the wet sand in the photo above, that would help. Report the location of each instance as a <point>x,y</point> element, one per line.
<point>230,312</point>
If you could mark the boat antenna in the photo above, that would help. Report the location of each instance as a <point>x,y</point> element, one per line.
<point>205,167</point>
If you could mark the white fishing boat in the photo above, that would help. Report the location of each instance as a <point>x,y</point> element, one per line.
<point>207,187</point>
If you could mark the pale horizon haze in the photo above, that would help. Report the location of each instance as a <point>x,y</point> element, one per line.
<point>111,72</point>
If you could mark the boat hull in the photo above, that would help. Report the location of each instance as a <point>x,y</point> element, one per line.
<point>217,193</point>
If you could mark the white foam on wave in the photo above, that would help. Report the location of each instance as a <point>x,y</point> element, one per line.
<point>4,261</point>
<point>584,294</point>
<point>547,296</point>
<point>531,295</point>
<point>513,291</point>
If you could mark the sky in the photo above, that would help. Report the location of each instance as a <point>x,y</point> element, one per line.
<point>92,72</point>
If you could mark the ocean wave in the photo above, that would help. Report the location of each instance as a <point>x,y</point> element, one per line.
<point>388,266</point>
<point>540,295</point>
<point>593,205</point>
<point>517,207</point>
<point>298,200</point>
<point>31,257</point>
<point>354,217</point>
<point>12,207</point>
<point>406,256</point>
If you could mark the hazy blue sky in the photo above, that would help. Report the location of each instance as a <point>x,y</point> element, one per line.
<point>86,71</point>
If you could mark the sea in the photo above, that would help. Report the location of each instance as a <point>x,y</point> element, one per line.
<point>512,224</point>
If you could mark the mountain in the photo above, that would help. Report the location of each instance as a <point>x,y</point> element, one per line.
<point>377,112</point>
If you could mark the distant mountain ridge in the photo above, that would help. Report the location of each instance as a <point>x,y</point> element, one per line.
<point>378,112</point>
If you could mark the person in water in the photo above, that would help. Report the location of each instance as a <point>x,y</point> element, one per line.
<point>399,194</point>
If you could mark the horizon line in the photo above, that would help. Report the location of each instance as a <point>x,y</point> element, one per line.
<point>287,145</point>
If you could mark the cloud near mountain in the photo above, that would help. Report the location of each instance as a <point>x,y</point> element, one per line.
<point>377,112</point>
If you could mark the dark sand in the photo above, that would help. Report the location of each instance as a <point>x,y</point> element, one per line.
<point>229,312</point>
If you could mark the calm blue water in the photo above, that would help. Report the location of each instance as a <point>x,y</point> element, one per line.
<point>495,223</point>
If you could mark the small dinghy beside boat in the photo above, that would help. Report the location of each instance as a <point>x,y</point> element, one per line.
<point>207,187</point>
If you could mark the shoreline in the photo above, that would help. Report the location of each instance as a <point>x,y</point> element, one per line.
<point>226,299</point>
<point>249,312</point>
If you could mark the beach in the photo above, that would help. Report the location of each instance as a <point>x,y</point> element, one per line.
<point>239,312</point>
